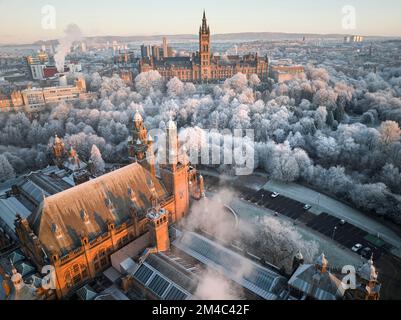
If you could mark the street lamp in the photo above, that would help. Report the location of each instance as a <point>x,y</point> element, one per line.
<point>334,231</point>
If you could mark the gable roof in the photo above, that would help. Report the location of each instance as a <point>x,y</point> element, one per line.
<point>63,218</point>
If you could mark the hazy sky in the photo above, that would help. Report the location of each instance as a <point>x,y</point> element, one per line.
<point>21,19</point>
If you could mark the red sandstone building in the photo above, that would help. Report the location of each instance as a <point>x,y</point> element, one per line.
<point>77,230</point>
<point>203,66</point>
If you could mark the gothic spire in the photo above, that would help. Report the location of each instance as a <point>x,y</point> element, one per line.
<point>205,27</point>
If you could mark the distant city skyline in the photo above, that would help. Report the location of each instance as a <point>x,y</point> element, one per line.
<point>22,22</point>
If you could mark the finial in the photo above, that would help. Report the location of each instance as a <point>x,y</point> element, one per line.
<point>137,117</point>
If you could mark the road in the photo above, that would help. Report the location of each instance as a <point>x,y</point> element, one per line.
<point>338,209</point>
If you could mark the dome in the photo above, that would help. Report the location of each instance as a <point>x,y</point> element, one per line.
<point>138,117</point>
<point>73,153</point>
<point>299,256</point>
<point>322,261</point>
<point>368,271</point>
<point>16,279</point>
<point>57,140</point>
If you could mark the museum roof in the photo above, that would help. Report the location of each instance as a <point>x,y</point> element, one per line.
<point>61,219</point>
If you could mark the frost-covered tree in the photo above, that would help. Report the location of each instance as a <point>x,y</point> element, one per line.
<point>254,81</point>
<point>279,242</point>
<point>6,170</point>
<point>148,82</point>
<point>97,160</point>
<point>175,87</point>
<point>389,132</point>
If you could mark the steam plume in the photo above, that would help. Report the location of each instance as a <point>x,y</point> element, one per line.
<point>72,33</point>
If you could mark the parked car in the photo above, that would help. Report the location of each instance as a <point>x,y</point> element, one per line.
<point>366,253</point>
<point>307,207</point>
<point>274,194</point>
<point>342,222</point>
<point>357,247</point>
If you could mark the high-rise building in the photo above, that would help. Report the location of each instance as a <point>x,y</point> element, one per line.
<point>146,52</point>
<point>165,48</point>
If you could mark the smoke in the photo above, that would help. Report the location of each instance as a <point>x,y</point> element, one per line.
<point>214,287</point>
<point>213,218</point>
<point>72,33</point>
<point>269,238</point>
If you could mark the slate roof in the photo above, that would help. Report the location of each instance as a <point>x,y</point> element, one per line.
<point>9,209</point>
<point>59,220</point>
<point>185,62</point>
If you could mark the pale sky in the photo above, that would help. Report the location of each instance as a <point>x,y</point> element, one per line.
<point>21,20</point>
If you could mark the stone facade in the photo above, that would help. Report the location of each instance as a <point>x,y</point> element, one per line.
<point>203,66</point>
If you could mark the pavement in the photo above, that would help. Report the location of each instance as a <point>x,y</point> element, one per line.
<point>337,209</point>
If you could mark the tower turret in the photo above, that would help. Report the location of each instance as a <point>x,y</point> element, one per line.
<point>367,275</point>
<point>17,280</point>
<point>321,263</point>
<point>138,143</point>
<point>204,50</point>
<point>158,228</point>
<point>150,157</point>
<point>59,151</point>
<point>297,261</point>
<point>175,173</point>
